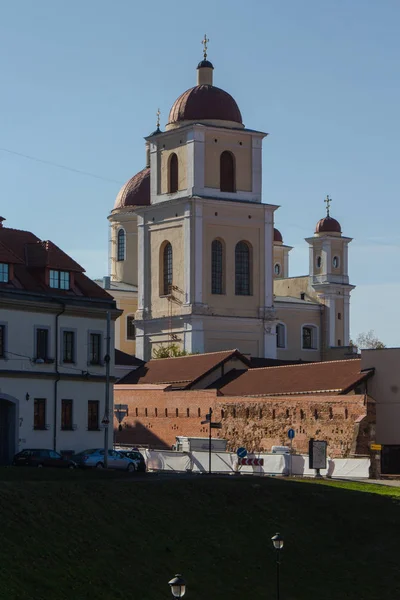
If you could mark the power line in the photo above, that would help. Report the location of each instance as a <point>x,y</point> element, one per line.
<point>53,164</point>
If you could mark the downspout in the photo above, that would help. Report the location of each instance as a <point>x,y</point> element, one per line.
<point>57,379</point>
<point>321,328</point>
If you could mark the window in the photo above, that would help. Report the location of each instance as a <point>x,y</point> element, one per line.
<point>188,412</point>
<point>277,269</point>
<point>339,316</point>
<point>177,412</point>
<point>280,335</point>
<point>198,412</point>
<point>68,346</point>
<point>217,267</point>
<point>167,269</point>
<point>2,341</point>
<point>93,415</point>
<point>121,245</point>
<point>166,412</point>
<point>39,413</point>
<point>145,412</point>
<point>95,348</point>
<point>335,262</point>
<point>242,269</point>
<point>137,412</point>
<point>3,273</point>
<point>227,172</point>
<point>59,279</point>
<point>339,342</point>
<point>309,337</point>
<point>130,328</point>
<point>155,412</point>
<point>66,415</point>
<point>173,174</point>
<point>319,262</point>
<point>42,343</point>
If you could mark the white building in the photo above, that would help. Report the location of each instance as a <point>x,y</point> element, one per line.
<point>53,329</point>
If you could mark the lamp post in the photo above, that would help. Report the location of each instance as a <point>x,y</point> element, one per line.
<point>178,586</point>
<point>277,541</point>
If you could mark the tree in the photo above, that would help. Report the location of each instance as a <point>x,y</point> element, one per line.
<point>368,341</point>
<point>168,351</point>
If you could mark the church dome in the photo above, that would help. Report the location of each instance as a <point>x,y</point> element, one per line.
<point>205,103</point>
<point>135,192</point>
<point>277,235</point>
<point>328,225</point>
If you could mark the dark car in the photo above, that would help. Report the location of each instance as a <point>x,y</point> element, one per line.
<point>39,457</point>
<point>137,457</point>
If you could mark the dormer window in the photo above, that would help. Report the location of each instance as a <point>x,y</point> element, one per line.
<point>59,279</point>
<point>4,272</point>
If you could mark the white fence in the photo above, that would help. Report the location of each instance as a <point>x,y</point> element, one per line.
<point>274,464</point>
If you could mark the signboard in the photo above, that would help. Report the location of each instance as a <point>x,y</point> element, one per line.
<point>376,447</point>
<point>241,452</point>
<point>291,433</point>
<point>251,462</point>
<point>317,454</point>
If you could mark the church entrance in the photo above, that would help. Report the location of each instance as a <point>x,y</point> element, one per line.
<point>7,431</point>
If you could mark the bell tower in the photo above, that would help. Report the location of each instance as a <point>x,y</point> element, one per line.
<point>329,276</point>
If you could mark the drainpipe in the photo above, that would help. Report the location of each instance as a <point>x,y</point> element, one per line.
<point>56,357</point>
<point>322,336</point>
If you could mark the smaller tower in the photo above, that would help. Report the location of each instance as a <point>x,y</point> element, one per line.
<point>329,276</point>
<point>281,257</point>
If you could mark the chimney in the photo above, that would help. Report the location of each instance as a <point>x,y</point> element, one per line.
<point>1,221</point>
<point>107,282</point>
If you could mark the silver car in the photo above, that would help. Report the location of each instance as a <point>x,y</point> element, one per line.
<point>95,458</point>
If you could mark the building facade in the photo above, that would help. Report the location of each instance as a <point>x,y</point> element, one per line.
<point>53,330</point>
<point>190,230</point>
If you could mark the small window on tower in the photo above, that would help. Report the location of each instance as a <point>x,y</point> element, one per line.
<point>319,262</point>
<point>277,269</point>
<point>335,262</point>
<point>173,174</point>
<point>227,172</point>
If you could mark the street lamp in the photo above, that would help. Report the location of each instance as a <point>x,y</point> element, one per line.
<point>277,541</point>
<point>178,586</point>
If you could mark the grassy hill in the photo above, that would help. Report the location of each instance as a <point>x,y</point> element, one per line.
<point>101,536</point>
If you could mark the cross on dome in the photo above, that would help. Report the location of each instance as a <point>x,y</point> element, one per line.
<point>205,41</point>
<point>328,204</point>
<point>158,113</point>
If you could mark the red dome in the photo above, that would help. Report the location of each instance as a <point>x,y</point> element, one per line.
<point>277,236</point>
<point>328,225</point>
<point>136,191</point>
<point>205,102</point>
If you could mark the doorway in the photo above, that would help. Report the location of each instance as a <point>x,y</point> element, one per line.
<point>7,431</point>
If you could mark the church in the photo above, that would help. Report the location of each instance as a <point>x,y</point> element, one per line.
<point>195,260</point>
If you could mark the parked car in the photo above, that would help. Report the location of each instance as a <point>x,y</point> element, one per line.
<point>94,457</point>
<point>40,457</point>
<point>137,457</point>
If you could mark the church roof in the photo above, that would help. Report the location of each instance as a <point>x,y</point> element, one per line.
<point>205,102</point>
<point>328,225</point>
<point>277,235</point>
<point>135,192</point>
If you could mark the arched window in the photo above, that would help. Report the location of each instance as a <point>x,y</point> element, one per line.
<point>319,262</point>
<point>173,174</point>
<point>227,172</point>
<point>309,337</point>
<point>121,245</point>
<point>242,269</point>
<point>217,267</point>
<point>167,269</point>
<point>130,327</point>
<point>280,335</point>
<point>277,269</point>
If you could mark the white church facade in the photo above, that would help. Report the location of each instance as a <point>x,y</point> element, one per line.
<point>197,248</point>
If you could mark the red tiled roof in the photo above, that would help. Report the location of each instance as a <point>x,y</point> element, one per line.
<point>32,256</point>
<point>204,102</point>
<point>334,376</point>
<point>136,191</point>
<point>181,371</point>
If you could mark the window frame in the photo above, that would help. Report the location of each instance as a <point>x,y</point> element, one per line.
<point>65,332</point>
<point>218,274</point>
<point>337,257</point>
<point>46,356</point>
<point>241,290</point>
<point>67,423</point>
<point>281,324</point>
<point>167,268</point>
<point>121,254</point>
<point>4,272</point>
<point>91,360</point>
<point>93,420</point>
<point>173,173</point>
<point>277,272</point>
<point>314,337</point>
<point>226,186</point>
<point>39,414</point>
<point>61,279</point>
<point>130,338</point>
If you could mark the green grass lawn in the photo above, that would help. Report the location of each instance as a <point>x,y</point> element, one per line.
<point>77,535</point>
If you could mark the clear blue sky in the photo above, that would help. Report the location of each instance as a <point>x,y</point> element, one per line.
<point>82,80</point>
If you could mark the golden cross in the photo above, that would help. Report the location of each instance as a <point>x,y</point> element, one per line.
<point>205,42</point>
<point>328,204</point>
<point>158,118</point>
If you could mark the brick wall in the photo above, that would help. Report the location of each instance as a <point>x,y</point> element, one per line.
<point>155,417</point>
